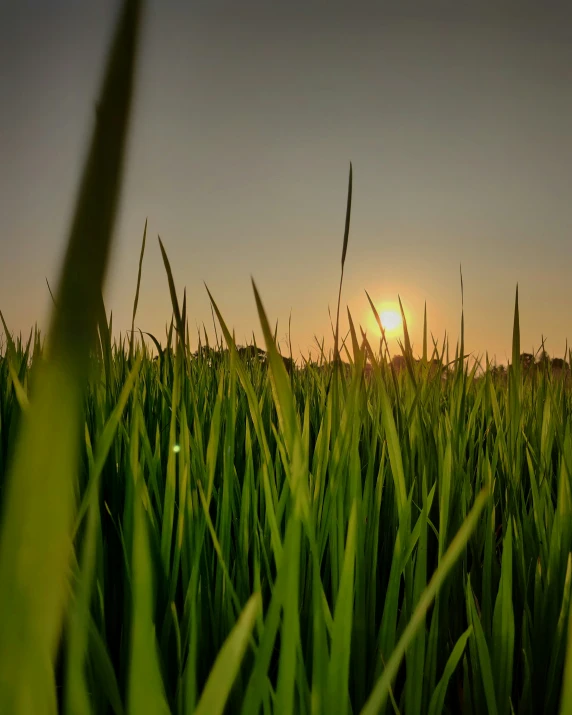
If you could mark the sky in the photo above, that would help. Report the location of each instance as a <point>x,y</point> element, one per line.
<point>457,119</point>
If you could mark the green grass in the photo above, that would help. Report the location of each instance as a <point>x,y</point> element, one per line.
<point>211,533</point>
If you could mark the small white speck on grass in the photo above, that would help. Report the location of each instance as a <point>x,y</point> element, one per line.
<point>177,448</point>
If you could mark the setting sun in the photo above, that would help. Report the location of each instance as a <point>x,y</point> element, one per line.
<point>391,320</point>
<point>390,316</point>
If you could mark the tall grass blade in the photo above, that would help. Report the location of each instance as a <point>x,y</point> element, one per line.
<point>146,691</point>
<point>504,631</point>
<point>173,292</point>
<point>136,302</point>
<point>344,252</point>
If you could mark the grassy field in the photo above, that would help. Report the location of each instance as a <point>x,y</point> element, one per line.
<point>221,532</point>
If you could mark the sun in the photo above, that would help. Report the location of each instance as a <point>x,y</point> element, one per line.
<point>391,321</point>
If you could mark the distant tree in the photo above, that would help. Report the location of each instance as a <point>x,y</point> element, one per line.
<point>344,366</point>
<point>559,364</point>
<point>251,353</point>
<point>499,371</point>
<point>398,362</point>
<point>289,364</point>
<point>210,356</point>
<point>526,360</point>
<point>436,366</point>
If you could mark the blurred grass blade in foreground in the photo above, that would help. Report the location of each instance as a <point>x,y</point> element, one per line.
<point>35,541</point>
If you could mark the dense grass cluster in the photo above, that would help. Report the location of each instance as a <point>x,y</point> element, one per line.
<point>220,531</point>
<point>319,506</point>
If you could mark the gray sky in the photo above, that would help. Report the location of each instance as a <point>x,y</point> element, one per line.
<point>458,124</point>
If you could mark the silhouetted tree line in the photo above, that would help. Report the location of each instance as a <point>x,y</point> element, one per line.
<point>530,364</point>
<point>250,354</point>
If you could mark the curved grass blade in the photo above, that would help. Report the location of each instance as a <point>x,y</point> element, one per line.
<point>19,390</point>
<point>173,292</point>
<point>146,691</point>
<point>136,302</point>
<point>157,345</point>
<point>105,443</point>
<point>103,669</point>
<point>355,344</point>
<point>378,321</point>
<point>503,635</point>
<point>438,698</point>
<point>290,633</point>
<point>337,696</point>
<point>344,252</point>
<point>462,348</point>
<point>10,346</point>
<point>51,294</point>
<point>229,659</point>
<point>516,336</point>
<point>482,653</point>
<point>425,333</point>
<point>283,398</point>
<point>259,429</point>
<point>76,689</point>
<point>380,692</point>
<point>105,335</point>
